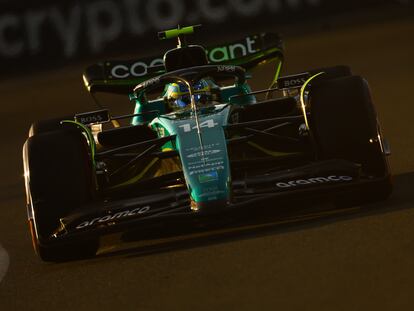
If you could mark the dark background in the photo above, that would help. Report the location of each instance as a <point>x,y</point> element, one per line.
<point>314,258</point>
<point>37,35</point>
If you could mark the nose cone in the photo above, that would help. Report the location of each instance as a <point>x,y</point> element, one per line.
<point>206,164</point>
<point>202,147</point>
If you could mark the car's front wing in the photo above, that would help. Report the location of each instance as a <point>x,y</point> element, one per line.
<point>326,179</point>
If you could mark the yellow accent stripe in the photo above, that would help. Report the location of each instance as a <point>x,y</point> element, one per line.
<point>277,74</point>
<point>115,123</point>
<point>137,177</point>
<point>270,152</point>
<point>302,97</point>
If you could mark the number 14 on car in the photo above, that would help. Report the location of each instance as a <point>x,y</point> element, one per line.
<point>187,127</point>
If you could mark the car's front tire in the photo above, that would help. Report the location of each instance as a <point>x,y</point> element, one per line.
<point>59,179</point>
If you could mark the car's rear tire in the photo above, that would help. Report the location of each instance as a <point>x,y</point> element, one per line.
<point>344,126</point>
<point>331,73</point>
<point>58,179</point>
<point>49,125</point>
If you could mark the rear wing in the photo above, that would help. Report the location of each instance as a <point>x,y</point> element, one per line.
<point>122,76</point>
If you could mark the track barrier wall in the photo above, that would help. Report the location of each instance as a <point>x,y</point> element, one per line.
<point>49,33</point>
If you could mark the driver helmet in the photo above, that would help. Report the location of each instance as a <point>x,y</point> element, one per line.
<point>178,97</point>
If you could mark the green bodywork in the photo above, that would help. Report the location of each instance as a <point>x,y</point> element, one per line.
<point>148,110</point>
<point>203,155</point>
<point>204,158</point>
<point>200,138</point>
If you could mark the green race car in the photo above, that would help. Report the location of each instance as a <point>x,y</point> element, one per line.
<point>200,144</point>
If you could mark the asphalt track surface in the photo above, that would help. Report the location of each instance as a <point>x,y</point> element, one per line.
<point>358,259</point>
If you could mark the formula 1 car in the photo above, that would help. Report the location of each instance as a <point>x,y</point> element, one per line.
<point>221,151</point>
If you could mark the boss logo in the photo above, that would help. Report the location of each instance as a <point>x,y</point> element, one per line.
<point>293,81</point>
<point>100,116</point>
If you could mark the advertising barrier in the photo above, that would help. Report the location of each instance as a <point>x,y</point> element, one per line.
<point>44,34</point>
